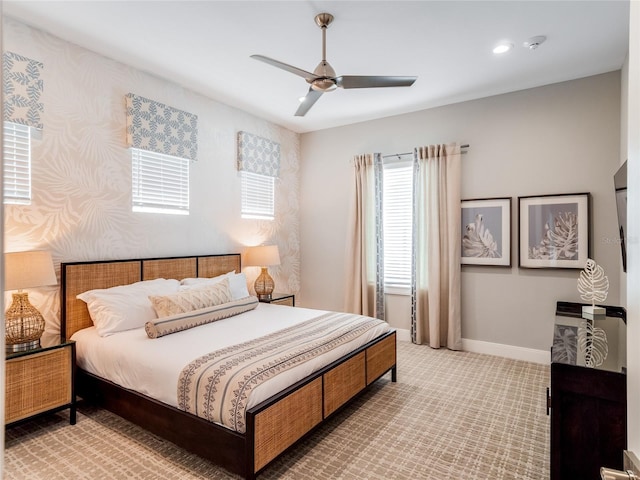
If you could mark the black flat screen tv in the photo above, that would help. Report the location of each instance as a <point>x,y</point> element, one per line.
<point>620,182</point>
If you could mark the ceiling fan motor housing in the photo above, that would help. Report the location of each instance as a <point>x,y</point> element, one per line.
<point>327,81</point>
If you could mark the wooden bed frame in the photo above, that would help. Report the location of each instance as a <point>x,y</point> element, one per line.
<point>273,426</point>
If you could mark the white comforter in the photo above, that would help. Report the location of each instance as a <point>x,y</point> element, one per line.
<point>152,366</point>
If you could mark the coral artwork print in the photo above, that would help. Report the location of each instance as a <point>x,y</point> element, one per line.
<point>485,232</point>
<point>477,240</point>
<point>554,232</point>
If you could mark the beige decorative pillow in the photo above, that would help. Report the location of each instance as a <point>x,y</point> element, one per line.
<point>183,321</point>
<point>192,299</point>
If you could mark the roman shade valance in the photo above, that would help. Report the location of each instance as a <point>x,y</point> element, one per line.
<point>22,87</point>
<point>159,128</point>
<point>258,155</point>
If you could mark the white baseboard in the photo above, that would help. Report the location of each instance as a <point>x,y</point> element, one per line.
<point>508,351</point>
<point>403,334</point>
<point>489,348</point>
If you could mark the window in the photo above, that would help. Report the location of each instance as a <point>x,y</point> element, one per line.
<point>257,195</point>
<point>16,154</point>
<point>397,220</point>
<point>160,183</point>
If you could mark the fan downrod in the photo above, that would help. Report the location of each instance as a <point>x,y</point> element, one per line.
<point>323,20</point>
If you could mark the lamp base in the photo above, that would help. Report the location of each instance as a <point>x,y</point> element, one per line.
<point>22,347</point>
<point>264,285</point>
<point>24,324</point>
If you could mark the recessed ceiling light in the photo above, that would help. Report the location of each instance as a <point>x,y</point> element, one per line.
<point>502,48</point>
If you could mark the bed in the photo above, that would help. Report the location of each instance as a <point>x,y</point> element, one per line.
<point>271,425</point>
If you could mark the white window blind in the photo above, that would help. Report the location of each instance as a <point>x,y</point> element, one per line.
<point>16,154</point>
<point>257,195</point>
<point>160,183</point>
<point>397,211</point>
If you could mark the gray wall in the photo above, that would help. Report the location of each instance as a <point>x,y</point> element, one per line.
<point>562,138</point>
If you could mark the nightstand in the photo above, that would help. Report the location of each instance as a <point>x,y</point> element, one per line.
<point>40,380</point>
<point>287,299</point>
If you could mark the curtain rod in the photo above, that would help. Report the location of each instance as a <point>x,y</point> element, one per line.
<point>411,153</point>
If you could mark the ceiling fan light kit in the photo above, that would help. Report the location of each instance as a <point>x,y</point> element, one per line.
<point>324,78</point>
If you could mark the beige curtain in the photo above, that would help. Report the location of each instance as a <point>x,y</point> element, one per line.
<point>364,266</point>
<point>435,302</point>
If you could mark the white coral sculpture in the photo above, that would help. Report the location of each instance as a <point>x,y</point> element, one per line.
<point>593,284</point>
<point>593,342</point>
<point>478,242</point>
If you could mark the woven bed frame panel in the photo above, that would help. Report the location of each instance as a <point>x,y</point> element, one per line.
<point>169,268</point>
<point>79,278</point>
<point>218,265</point>
<point>343,382</point>
<point>279,426</point>
<point>379,357</point>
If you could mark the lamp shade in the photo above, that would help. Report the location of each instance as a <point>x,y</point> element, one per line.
<point>28,270</point>
<point>263,256</point>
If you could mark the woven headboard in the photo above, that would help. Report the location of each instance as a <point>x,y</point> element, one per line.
<point>79,277</point>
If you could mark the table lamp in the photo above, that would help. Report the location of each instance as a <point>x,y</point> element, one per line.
<point>263,257</point>
<point>24,324</point>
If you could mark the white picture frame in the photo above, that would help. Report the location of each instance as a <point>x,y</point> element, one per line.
<point>554,231</point>
<point>486,232</point>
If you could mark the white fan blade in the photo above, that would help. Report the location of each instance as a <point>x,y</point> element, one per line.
<point>358,81</point>
<point>308,101</point>
<point>308,76</point>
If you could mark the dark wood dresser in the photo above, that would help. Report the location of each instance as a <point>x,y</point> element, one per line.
<point>588,405</point>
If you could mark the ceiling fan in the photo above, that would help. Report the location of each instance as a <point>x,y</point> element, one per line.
<point>324,79</point>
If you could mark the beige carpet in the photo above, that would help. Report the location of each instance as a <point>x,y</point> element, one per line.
<point>451,415</point>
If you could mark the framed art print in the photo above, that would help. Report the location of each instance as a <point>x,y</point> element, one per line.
<point>554,231</point>
<point>486,232</point>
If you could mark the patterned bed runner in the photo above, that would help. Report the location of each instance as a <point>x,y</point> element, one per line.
<point>217,386</point>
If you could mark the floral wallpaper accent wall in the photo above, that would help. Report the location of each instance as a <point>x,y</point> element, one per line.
<point>81,172</point>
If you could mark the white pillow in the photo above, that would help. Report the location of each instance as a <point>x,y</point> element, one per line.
<point>237,283</point>
<point>189,282</point>
<point>125,307</point>
<point>238,286</point>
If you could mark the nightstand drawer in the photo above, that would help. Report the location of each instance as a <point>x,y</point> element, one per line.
<point>39,382</point>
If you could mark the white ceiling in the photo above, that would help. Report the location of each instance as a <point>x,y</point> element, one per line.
<point>206,47</point>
